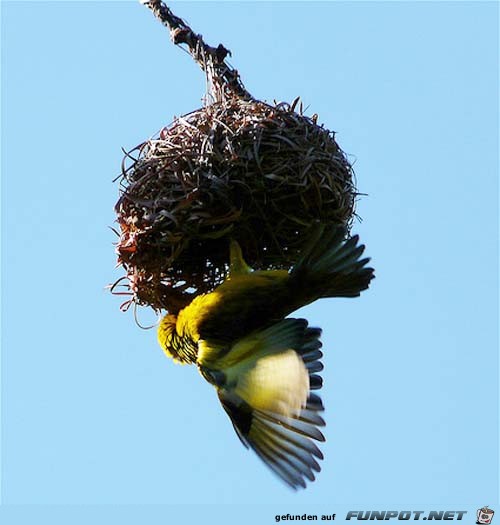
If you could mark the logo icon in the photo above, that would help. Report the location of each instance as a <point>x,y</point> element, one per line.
<point>484,515</point>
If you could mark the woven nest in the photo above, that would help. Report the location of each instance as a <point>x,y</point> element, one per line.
<point>240,169</point>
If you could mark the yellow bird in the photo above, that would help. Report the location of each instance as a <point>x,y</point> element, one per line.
<point>262,365</point>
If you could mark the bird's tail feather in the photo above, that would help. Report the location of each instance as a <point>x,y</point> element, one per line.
<point>331,266</point>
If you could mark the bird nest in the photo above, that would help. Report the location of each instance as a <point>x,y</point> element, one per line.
<point>241,169</point>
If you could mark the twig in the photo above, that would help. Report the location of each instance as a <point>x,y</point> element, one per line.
<point>225,79</point>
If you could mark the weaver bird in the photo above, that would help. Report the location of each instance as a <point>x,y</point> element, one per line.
<point>262,365</point>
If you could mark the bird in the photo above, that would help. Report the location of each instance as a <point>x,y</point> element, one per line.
<point>264,365</point>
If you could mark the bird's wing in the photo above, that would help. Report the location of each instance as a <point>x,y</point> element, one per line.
<point>285,445</point>
<point>331,266</point>
<point>266,391</point>
<point>239,306</point>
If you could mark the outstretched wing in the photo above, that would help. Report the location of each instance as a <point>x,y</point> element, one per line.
<point>331,266</point>
<point>242,304</point>
<point>279,428</point>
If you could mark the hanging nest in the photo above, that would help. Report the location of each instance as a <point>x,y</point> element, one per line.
<point>260,174</point>
<point>237,168</point>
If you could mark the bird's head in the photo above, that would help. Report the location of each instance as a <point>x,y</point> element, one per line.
<point>167,333</point>
<point>180,348</point>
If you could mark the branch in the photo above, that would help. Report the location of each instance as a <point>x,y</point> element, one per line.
<point>224,78</point>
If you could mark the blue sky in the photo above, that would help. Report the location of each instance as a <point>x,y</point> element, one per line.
<point>93,413</point>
